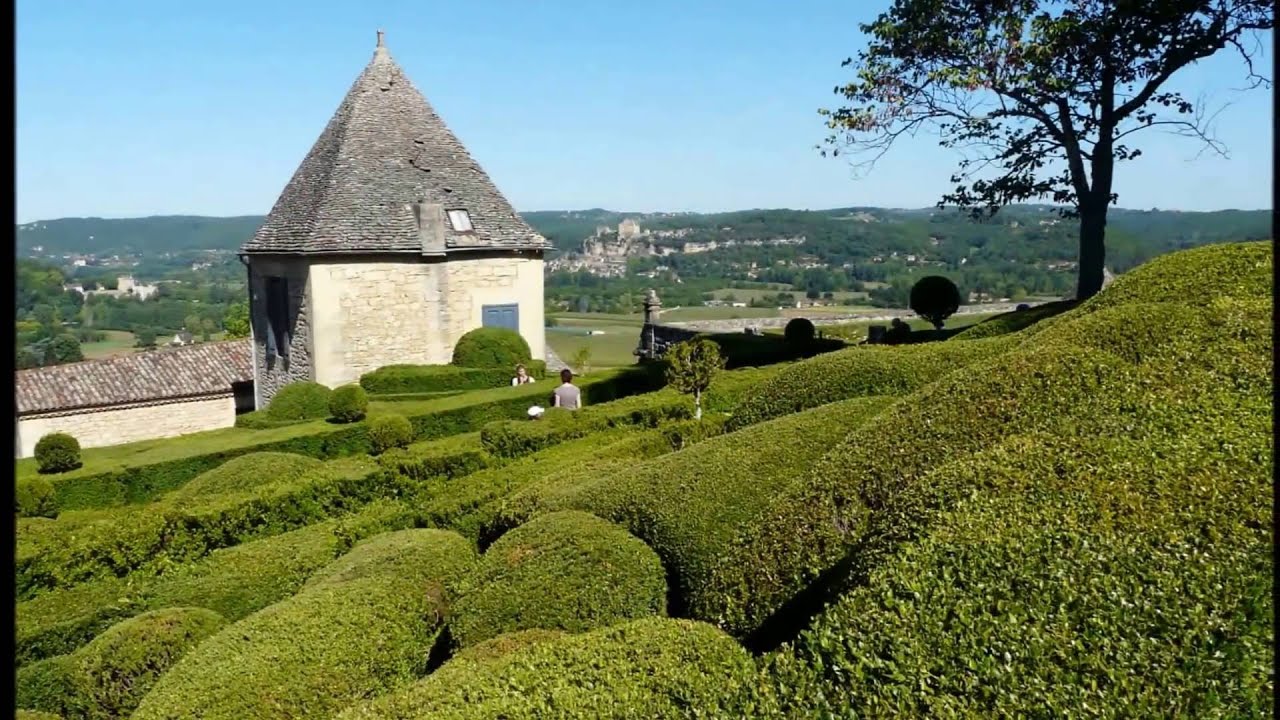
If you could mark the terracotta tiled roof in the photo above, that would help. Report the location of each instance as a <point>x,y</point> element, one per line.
<point>384,151</point>
<point>194,370</point>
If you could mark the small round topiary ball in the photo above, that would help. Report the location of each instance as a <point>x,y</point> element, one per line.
<point>799,331</point>
<point>389,431</point>
<point>489,347</point>
<point>302,400</point>
<point>57,453</point>
<point>935,298</point>
<point>348,403</point>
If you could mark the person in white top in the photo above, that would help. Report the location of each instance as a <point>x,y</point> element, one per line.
<point>522,376</point>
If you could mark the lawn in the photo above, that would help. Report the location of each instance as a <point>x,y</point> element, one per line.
<point>614,348</point>
<point>117,342</point>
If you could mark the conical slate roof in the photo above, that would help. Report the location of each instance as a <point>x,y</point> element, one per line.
<point>384,151</point>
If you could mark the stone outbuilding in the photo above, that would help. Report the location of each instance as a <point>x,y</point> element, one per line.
<point>141,396</point>
<point>387,245</point>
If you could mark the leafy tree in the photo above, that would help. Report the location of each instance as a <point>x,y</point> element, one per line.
<point>812,293</point>
<point>581,360</point>
<point>1042,97</point>
<point>64,349</point>
<point>691,367</point>
<point>207,328</point>
<point>146,337</point>
<point>236,321</point>
<point>935,298</point>
<point>193,324</point>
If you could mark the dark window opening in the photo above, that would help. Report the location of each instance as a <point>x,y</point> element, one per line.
<point>277,317</point>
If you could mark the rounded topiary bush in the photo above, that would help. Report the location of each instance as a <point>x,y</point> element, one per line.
<point>303,400</point>
<point>35,497</point>
<point>935,298</point>
<point>799,331</point>
<point>57,453</point>
<point>363,627</point>
<point>121,665</point>
<point>247,472</point>
<point>567,571</point>
<point>389,431</point>
<point>491,347</point>
<point>348,403</point>
<point>649,668</point>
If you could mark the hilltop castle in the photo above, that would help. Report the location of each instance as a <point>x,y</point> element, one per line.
<point>389,243</point>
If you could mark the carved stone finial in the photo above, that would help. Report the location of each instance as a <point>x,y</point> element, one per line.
<point>380,39</point>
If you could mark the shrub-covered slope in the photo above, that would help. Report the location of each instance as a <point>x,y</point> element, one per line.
<point>1072,379</point>
<point>691,504</point>
<point>567,571</point>
<point>362,626</point>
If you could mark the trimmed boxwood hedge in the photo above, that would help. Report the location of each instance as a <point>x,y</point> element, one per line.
<point>1238,270</point>
<point>348,404</point>
<point>296,402</point>
<point>233,582</point>
<point>247,473</point>
<point>567,571</point>
<point>516,438</point>
<point>447,458</point>
<point>136,537</point>
<point>858,372</point>
<point>1125,577</point>
<point>402,379</point>
<point>809,529</point>
<point>1013,321</point>
<point>494,648</point>
<point>471,507</point>
<point>651,668</point>
<point>1164,384</point>
<point>361,627</point>
<point>57,453</point>
<point>131,485</point>
<point>108,677</point>
<point>690,505</point>
<point>36,715</point>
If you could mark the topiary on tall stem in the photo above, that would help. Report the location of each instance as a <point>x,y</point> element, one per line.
<point>935,298</point>
<point>691,367</point>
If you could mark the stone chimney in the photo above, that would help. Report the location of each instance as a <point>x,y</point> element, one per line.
<point>430,218</point>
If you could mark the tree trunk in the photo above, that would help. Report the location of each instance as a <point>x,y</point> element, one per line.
<point>697,404</point>
<point>1093,252</point>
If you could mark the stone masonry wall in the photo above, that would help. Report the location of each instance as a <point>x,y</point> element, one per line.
<point>371,314</point>
<point>471,284</point>
<point>272,374</point>
<point>115,426</point>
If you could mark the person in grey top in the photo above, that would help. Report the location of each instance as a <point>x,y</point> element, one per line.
<point>567,396</point>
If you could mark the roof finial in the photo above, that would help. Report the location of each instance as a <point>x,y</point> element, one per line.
<point>380,33</point>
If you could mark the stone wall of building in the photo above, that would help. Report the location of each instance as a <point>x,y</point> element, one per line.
<point>370,314</point>
<point>384,311</point>
<point>271,374</point>
<point>125,424</point>
<point>472,283</point>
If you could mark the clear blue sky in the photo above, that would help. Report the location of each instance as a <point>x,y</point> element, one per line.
<point>141,107</point>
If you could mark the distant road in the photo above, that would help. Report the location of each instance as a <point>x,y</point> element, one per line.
<point>878,315</point>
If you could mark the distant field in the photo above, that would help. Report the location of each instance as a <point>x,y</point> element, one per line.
<point>612,349</point>
<point>797,295</point>
<point>117,342</point>
<point>857,331</point>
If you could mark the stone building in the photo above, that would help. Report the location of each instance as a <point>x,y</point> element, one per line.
<point>387,245</point>
<point>135,397</point>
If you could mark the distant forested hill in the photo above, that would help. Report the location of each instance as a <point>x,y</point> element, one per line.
<point>1025,233</point>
